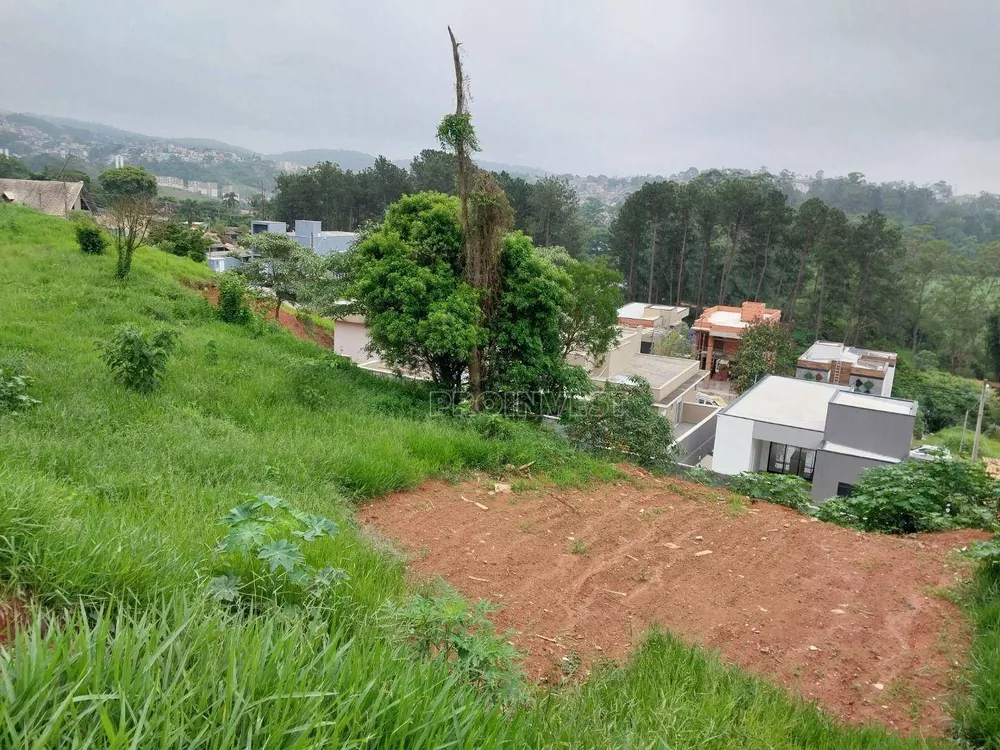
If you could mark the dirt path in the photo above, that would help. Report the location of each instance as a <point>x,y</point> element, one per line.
<point>848,619</point>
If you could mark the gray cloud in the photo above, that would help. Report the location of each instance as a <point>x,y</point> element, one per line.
<point>898,89</point>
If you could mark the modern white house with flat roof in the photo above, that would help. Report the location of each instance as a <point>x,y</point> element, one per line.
<point>827,434</point>
<point>308,234</point>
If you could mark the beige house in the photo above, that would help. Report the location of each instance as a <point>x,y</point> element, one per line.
<point>48,196</point>
<point>674,382</point>
<point>650,320</point>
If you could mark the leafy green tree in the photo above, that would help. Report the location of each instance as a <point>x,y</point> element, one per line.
<point>676,342</point>
<point>621,422</point>
<point>436,171</point>
<point>131,193</point>
<point>766,348</point>
<point>406,279</point>
<point>590,318</point>
<point>526,349</point>
<point>555,216</point>
<point>993,343</point>
<point>283,266</point>
<point>925,262</point>
<point>13,168</point>
<point>876,247</point>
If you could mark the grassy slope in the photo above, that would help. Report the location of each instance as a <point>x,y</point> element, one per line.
<point>979,716</point>
<point>108,504</point>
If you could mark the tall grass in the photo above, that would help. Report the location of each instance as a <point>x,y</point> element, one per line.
<point>978,716</point>
<point>108,510</point>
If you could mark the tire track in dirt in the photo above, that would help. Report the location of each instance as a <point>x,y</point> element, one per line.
<point>844,618</point>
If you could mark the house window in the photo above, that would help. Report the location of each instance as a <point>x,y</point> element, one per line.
<point>844,489</point>
<point>789,459</point>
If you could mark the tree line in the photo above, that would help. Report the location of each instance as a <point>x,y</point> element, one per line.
<point>724,238</point>
<point>547,209</point>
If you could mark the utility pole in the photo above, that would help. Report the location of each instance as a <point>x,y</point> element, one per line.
<point>979,424</point>
<point>965,424</point>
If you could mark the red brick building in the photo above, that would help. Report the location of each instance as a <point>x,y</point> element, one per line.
<point>719,329</point>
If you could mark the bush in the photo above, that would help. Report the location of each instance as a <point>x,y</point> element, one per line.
<point>443,626</point>
<point>233,307</point>
<point>917,496</point>
<point>91,239</point>
<point>783,489</point>
<point>138,362</point>
<point>311,379</point>
<point>622,421</point>
<point>262,555</point>
<point>14,392</point>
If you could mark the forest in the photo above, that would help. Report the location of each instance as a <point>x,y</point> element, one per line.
<point>889,265</point>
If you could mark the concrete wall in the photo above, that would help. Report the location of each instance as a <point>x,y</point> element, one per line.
<point>350,338</point>
<point>698,442</point>
<point>880,432</point>
<point>732,452</point>
<point>832,468</point>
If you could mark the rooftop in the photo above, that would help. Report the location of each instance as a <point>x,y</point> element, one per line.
<point>735,317</point>
<point>786,401</point>
<point>876,403</point>
<point>847,450</point>
<point>832,351</point>
<point>654,368</point>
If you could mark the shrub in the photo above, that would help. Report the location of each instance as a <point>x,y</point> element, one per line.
<point>262,556</point>
<point>233,307</point>
<point>622,421</point>
<point>443,626</point>
<point>917,496</point>
<point>783,489</point>
<point>91,239</point>
<point>137,361</point>
<point>14,392</point>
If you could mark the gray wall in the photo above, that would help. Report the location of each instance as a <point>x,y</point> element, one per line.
<point>832,468</point>
<point>698,442</point>
<point>886,433</point>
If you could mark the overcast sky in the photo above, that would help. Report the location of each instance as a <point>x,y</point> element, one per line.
<point>897,89</point>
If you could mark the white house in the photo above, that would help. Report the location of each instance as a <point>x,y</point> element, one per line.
<point>826,434</point>
<point>308,234</point>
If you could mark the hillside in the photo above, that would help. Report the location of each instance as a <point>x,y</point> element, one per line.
<point>109,510</point>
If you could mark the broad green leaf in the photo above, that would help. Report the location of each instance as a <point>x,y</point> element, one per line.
<point>329,576</point>
<point>224,588</point>
<point>239,514</point>
<point>270,501</point>
<point>316,526</point>
<point>244,536</point>
<point>281,554</point>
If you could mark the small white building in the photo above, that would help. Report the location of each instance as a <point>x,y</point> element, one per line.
<point>826,434</point>
<point>308,234</point>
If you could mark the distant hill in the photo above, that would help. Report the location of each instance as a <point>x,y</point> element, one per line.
<point>353,160</point>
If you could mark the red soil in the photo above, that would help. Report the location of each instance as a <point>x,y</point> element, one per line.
<point>316,334</point>
<point>847,619</point>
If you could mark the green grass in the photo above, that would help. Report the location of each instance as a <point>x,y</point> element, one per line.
<point>978,716</point>
<point>951,438</point>
<point>109,503</point>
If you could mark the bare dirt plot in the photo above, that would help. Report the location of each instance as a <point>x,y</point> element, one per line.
<point>848,619</point>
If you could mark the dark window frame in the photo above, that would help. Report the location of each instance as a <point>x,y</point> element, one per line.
<point>791,459</point>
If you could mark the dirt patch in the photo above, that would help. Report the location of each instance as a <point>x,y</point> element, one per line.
<point>306,331</point>
<point>14,615</point>
<point>847,619</point>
